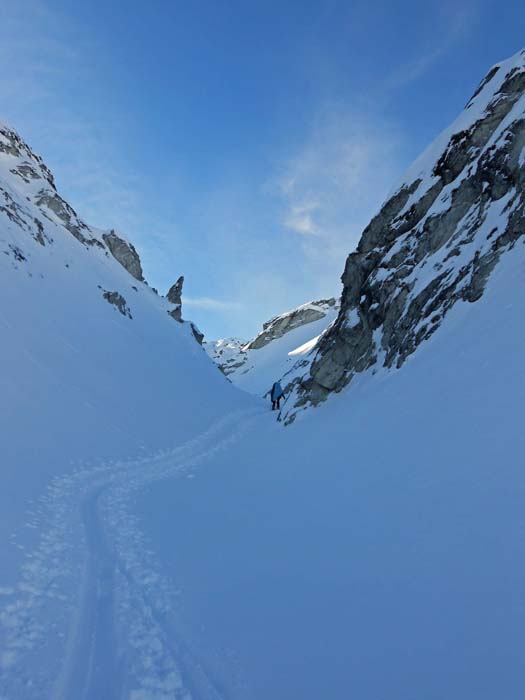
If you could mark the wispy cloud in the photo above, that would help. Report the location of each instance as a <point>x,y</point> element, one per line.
<point>42,63</point>
<point>331,187</point>
<point>349,161</point>
<point>300,218</point>
<point>284,240</point>
<point>457,20</point>
<point>212,304</point>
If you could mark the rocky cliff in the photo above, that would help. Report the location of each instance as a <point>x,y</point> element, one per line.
<point>433,244</point>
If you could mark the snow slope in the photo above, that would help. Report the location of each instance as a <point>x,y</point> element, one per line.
<point>80,376</point>
<point>374,549</point>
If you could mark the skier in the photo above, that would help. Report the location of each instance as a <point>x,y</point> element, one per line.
<point>276,395</point>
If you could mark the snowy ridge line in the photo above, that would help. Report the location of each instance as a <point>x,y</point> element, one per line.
<point>80,515</point>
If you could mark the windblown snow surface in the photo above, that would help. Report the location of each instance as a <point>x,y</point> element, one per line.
<point>374,549</point>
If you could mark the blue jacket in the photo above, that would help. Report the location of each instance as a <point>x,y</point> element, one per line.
<point>277,391</point>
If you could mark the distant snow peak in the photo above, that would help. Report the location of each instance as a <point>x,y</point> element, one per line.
<point>435,241</point>
<point>227,353</point>
<point>270,356</point>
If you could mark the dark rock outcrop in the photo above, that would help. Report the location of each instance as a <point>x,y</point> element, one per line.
<point>197,333</point>
<point>125,253</point>
<point>174,296</point>
<point>118,301</point>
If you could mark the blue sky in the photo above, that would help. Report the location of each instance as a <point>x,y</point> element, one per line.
<point>244,144</point>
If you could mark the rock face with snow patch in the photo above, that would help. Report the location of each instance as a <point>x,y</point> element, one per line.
<point>174,296</point>
<point>227,353</point>
<point>196,332</point>
<point>32,212</point>
<point>26,173</point>
<point>279,325</point>
<point>118,301</point>
<point>434,242</point>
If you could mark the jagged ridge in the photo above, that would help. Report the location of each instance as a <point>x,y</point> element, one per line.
<point>32,210</point>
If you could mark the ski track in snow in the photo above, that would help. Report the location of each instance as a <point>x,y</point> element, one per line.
<point>92,616</point>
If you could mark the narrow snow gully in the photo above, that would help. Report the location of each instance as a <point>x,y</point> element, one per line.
<point>92,616</point>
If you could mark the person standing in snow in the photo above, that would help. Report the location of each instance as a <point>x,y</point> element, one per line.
<point>276,395</point>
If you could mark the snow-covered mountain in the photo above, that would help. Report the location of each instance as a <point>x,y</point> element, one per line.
<point>435,242</point>
<point>162,536</point>
<point>283,341</point>
<point>85,341</point>
<point>92,364</point>
<point>227,353</point>
<point>33,212</point>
